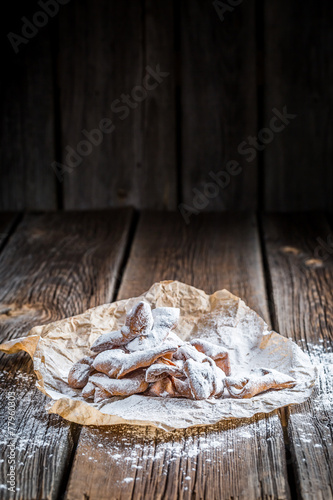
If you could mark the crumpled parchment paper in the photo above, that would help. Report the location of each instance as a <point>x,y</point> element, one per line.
<point>221,317</point>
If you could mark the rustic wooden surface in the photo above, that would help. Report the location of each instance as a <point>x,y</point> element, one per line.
<point>127,462</point>
<point>300,261</point>
<point>27,125</point>
<point>56,265</point>
<point>297,163</point>
<point>157,172</point>
<point>226,76</point>
<point>134,164</point>
<point>219,109</point>
<point>52,267</point>
<point>109,70</point>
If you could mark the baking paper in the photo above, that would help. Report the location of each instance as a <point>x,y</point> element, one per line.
<point>221,318</point>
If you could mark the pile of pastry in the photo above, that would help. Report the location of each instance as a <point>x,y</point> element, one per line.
<point>146,357</point>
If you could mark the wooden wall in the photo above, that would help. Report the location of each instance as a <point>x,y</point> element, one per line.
<point>231,68</point>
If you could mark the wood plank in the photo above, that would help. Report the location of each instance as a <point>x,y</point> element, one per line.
<point>27,118</point>
<point>219,104</point>
<point>100,59</point>
<point>159,114</point>
<point>105,47</point>
<point>299,178</point>
<point>234,459</point>
<point>54,266</point>
<point>299,249</point>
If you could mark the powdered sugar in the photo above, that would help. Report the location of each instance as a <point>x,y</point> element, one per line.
<point>116,363</point>
<point>220,318</point>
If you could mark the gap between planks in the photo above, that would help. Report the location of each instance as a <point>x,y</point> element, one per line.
<point>300,273</point>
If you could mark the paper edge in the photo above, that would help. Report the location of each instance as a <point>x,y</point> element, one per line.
<point>67,406</point>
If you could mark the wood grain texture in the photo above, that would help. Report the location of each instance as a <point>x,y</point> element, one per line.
<point>101,58</point>
<point>159,114</point>
<point>234,459</point>
<point>105,47</point>
<point>27,123</point>
<point>219,105</point>
<point>301,273</point>
<point>298,69</point>
<point>53,266</point>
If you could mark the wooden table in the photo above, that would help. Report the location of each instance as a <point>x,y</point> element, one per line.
<point>58,264</point>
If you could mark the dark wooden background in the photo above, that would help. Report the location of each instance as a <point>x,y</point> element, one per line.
<point>225,77</point>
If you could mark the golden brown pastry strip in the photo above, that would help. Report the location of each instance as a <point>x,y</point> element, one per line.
<point>257,382</point>
<point>133,384</point>
<point>182,387</point>
<point>139,322</point>
<point>205,379</point>
<point>216,352</point>
<point>89,390</point>
<point>165,318</point>
<point>162,388</point>
<point>109,340</point>
<point>187,351</point>
<point>117,363</point>
<point>159,371</point>
<point>80,371</point>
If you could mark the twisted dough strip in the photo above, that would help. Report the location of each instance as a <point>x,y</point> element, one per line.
<point>187,351</point>
<point>257,382</point>
<point>139,321</point>
<point>79,373</point>
<point>165,318</point>
<point>205,379</point>
<point>117,363</point>
<point>216,352</point>
<point>133,384</point>
<point>182,387</point>
<point>160,370</point>
<point>162,388</point>
<point>108,341</point>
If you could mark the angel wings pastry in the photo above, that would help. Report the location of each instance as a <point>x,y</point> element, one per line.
<point>145,356</point>
<point>173,357</point>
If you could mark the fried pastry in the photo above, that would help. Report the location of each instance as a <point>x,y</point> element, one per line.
<point>187,351</point>
<point>147,357</point>
<point>174,338</point>
<point>109,340</point>
<point>158,371</point>
<point>217,353</point>
<point>139,322</point>
<point>205,379</point>
<point>182,387</point>
<point>162,388</point>
<point>117,363</point>
<point>258,381</point>
<point>165,318</point>
<point>133,384</point>
<point>88,391</point>
<point>80,371</point>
